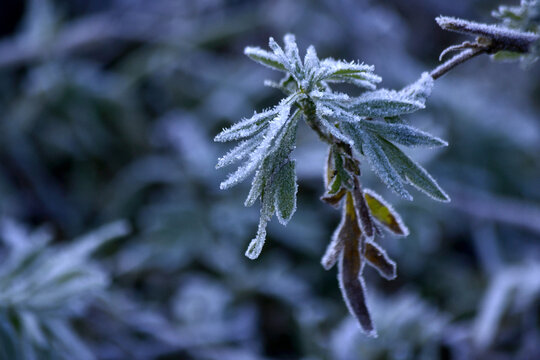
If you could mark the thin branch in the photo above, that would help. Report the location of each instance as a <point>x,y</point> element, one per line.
<point>498,37</point>
<point>455,61</point>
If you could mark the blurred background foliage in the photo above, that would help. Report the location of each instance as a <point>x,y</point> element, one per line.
<point>117,243</point>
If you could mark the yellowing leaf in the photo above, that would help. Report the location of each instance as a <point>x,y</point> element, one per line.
<point>384,214</point>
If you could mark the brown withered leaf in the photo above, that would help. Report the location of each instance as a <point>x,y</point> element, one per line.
<point>346,228</point>
<point>334,199</point>
<point>363,211</point>
<point>352,284</point>
<point>378,259</point>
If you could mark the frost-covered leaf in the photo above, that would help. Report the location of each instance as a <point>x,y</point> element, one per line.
<point>272,183</point>
<point>384,103</point>
<point>267,144</point>
<point>360,75</point>
<point>384,214</point>
<point>377,158</point>
<point>248,127</point>
<point>412,172</point>
<point>330,126</point>
<point>347,226</point>
<point>257,184</point>
<point>292,53</point>
<point>334,199</point>
<point>362,211</point>
<point>377,258</point>
<point>351,282</point>
<point>403,134</point>
<point>287,187</point>
<point>240,152</point>
<point>264,57</point>
<point>255,246</point>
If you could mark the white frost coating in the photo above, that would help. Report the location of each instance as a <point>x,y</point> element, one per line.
<point>239,152</point>
<point>311,63</point>
<point>264,57</point>
<point>332,129</point>
<point>283,59</point>
<point>255,246</point>
<point>492,31</point>
<point>384,103</point>
<point>394,213</point>
<point>389,261</point>
<point>291,51</point>
<point>247,127</point>
<point>329,96</point>
<point>421,89</point>
<point>335,247</point>
<point>257,156</point>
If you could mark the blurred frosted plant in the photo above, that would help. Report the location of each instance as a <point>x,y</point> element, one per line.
<point>43,287</point>
<point>365,127</point>
<point>515,287</point>
<point>409,328</point>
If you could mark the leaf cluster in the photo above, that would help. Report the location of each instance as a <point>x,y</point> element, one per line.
<point>367,126</point>
<point>42,287</point>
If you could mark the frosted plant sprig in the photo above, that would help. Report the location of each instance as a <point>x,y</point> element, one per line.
<point>517,37</point>
<point>368,127</point>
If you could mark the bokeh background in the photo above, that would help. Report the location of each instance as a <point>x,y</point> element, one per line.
<point>116,242</point>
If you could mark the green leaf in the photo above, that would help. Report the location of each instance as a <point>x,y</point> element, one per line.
<point>403,134</point>
<point>285,181</point>
<point>264,57</point>
<point>378,159</point>
<point>412,172</point>
<point>384,103</point>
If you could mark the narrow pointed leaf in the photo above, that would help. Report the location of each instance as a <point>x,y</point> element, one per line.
<point>347,229</point>
<point>384,103</point>
<point>352,285</point>
<point>412,172</point>
<point>362,211</point>
<point>255,246</point>
<point>287,188</point>
<point>247,127</point>
<point>334,199</point>
<point>257,185</point>
<point>291,50</point>
<point>403,134</point>
<point>379,260</point>
<point>377,158</point>
<point>264,57</point>
<point>240,152</point>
